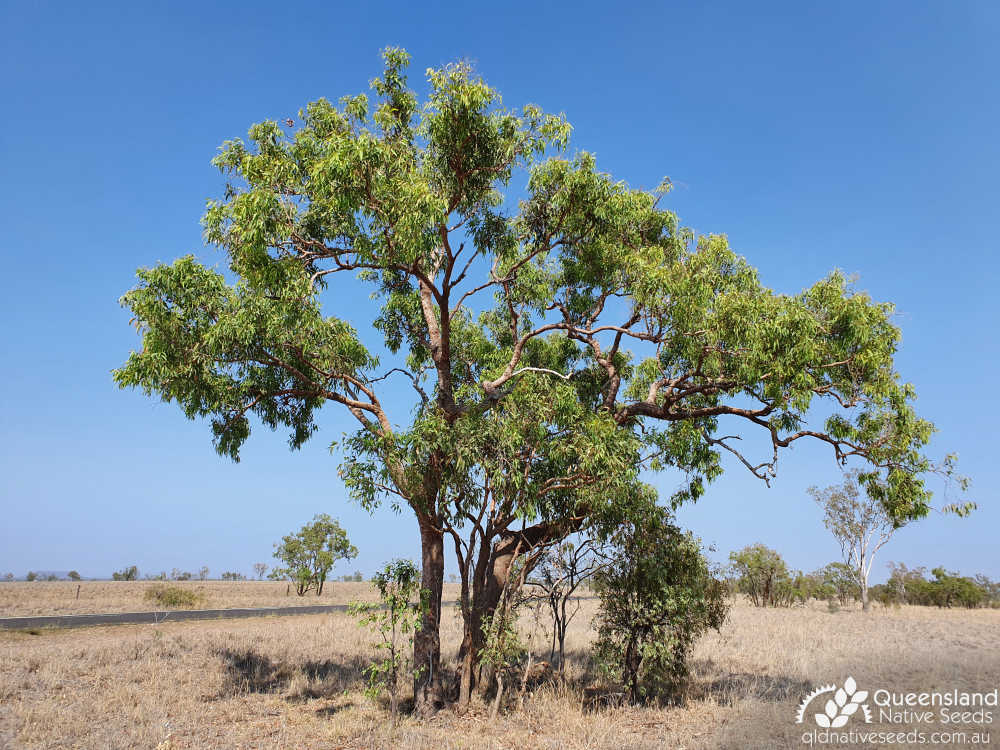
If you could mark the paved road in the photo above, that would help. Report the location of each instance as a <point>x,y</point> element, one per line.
<point>175,615</point>
<point>124,618</point>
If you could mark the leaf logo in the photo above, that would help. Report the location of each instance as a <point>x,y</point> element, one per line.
<point>840,708</point>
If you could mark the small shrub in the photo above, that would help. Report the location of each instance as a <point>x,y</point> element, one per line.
<point>658,595</point>
<point>395,619</point>
<point>174,596</point>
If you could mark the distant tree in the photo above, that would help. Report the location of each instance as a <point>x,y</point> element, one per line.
<point>51,577</point>
<point>840,581</point>
<point>309,554</point>
<point>203,573</point>
<point>357,577</point>
<point>858,521</point>
<point>9,577</point>
<point>992,588</point>
<point>73,575</point>
<point>260,569</point>
<point>232,575</point>
<point>32,576</point>
<point>762,575</point>
<point>131,573</point>
<point>953,589</point>
<point>180,575</point>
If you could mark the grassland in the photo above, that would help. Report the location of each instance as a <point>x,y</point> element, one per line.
<point>297,683</point>
<point>23,598</point>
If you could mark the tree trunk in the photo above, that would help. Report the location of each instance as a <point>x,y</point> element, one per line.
<point>865,604</point>
<point>428,693</point>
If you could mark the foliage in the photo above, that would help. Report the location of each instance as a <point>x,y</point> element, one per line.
<point>260,569</point>
<point>173,596</point>
<point>838,581</point>
<point>73,575</point>
<point>203,573</point>
<point>232,575</point>
<point>946,589</point>
<point>632,337</point>
<point>762,575</point>
<point>658,595</point>
<point>402,604</point>
<point>32,576</point>
<point>180,575</point>
<point>131,573</point>
<point>309,554</point>
<point>502,649</point>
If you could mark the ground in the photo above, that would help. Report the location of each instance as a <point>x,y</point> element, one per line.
<point>296,682</point>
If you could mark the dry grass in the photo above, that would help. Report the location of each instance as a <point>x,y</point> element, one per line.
<point>296,682</point>
<point>22,598</point>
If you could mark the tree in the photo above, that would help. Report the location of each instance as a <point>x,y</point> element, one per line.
<point>557,576</point>
<point>9,577</point>
<point>761,574</point>
<point>73,575</point>
<point>203,573</point>
<point>131,573</point>
<point>232,575</point>
<point>860,524</point>
<point>658,596</point>
<point>32,576</point>
<point>653,338</point>
<point>840,580</point>
<point>397,615</point>
<point>260,569</point>
<point>309,554</point>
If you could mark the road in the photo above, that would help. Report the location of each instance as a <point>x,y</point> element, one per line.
<point>127,618</point>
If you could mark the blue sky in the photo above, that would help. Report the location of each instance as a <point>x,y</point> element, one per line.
<point>859,136</point>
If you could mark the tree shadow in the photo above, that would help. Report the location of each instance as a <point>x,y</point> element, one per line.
<point>324,679</point>
<point>328,711</point>
<point>729,688</point>
<point>248,671</point>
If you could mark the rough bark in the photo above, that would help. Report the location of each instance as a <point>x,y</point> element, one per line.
<point>427,685</point>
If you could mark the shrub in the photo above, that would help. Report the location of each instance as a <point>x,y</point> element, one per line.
<point>174,596</point>
<point>32,576</point>
<point>657,596</point>
<point>395,619</point>
<point>73,575</point>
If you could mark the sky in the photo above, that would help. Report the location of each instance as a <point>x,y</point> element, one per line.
<point>851,135</point>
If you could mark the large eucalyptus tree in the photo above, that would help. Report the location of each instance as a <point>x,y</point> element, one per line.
<point>554,343</point>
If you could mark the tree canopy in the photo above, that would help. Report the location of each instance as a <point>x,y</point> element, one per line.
<point>525,295</point>
<point>309,554</point>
